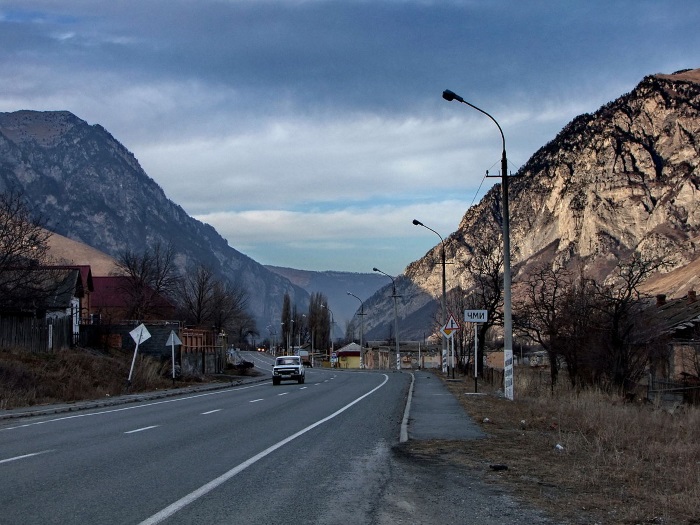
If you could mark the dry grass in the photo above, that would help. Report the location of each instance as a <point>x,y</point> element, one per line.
<point>74,375</point>
<point>618,463</point>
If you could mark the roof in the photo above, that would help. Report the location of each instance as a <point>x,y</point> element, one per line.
<point>677,315</point>
<point>350,349</point>
<point>111,292</point>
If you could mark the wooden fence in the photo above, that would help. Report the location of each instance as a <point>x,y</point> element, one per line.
<point>36,335</point>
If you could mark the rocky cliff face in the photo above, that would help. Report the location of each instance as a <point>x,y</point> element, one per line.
<point>91,189</point>
<point>624,178</point>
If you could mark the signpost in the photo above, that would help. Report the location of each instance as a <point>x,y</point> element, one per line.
<point>476,316</point>
<point>139,335</point>
<point>448,330</point>
<point>173,340</point>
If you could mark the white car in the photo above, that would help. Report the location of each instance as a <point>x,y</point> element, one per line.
<point>288,367</point>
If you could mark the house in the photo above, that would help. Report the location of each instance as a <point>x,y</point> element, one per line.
<point>111,301</point>
<point>47,315</point>
<point>680,320</point>
<point>349,356</point>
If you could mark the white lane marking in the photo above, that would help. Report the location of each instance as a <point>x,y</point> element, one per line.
<point>211,412</point>
<point>283,394</point>
<point>207,488</point>
<point>303,387</point>
<point>224,391</point>
<point>25,456</point>
<point>254,400</point>
<point>141,429</point>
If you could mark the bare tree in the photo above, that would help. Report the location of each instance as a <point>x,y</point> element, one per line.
<point>23,250</point>
<point>623,353</point>
<point>152,276</point>
<point>485,265</point>
<point>539,313</point>
<point>196,295</point>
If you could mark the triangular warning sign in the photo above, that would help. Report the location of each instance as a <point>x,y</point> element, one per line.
<point>451,324</point>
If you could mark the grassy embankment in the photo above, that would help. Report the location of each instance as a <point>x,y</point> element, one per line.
<point>616,463</point>
<point>77,375</point>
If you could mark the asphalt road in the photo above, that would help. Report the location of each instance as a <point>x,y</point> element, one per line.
<point>312,453</point>
<point>330,451</point>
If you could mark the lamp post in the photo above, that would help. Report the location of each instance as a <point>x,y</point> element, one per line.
<point>396,317</point>
<point>507,309</point>
<point>362,327</point>
<point>444,300</point>
<point>332,323</point>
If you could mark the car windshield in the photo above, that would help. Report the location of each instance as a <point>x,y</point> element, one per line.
<point>288,361</point>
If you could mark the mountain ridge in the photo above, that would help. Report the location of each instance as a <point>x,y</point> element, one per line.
<point>623,178</point>
<point>91,189</point>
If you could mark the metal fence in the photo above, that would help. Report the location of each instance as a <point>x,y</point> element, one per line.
<point>665,391</point>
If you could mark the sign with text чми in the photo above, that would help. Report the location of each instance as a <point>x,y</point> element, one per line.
<point>475,316</point>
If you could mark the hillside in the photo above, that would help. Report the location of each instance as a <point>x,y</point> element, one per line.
<point>91,189</point>
<point>67,251</point>
<point>621,179</point>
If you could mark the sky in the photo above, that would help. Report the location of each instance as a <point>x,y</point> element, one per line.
<point>310,133</point>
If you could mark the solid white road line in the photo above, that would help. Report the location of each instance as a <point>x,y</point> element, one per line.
<point>205,489</point>
<point>25,456</point>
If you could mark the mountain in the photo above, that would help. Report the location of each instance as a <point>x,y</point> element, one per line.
<point>621,179</point>
<point>335,286</point>
<point>91,189</point>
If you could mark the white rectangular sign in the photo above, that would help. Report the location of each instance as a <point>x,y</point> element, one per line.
<point>475,316</point>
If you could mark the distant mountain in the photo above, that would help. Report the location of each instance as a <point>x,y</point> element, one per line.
<point>335,286</point>
<point>91,189</point>
<point>621,179</point>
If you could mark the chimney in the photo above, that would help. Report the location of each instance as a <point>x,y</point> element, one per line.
<point>661,299</point>
<point>692,296</point>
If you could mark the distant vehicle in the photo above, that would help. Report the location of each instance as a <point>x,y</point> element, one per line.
<point>288,367</point>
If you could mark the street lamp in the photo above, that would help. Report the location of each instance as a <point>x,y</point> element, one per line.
<point>396,317</point>
<point>507,309</point>
<point>332,323</point>
<point>362,326</point>
<point>444,301</point>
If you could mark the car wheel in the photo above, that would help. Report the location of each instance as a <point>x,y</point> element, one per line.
<point>275,381</point>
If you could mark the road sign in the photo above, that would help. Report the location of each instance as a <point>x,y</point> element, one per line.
<point>140,334</point>
<point>450,326</point>
<point>173,339</point>
<point>476,316</point>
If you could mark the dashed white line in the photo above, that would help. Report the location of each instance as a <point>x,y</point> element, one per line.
<point>303,387</point>
<point>255,400</point>
<point>25,456</point>
<point>283,394</point>
<point>140,429</point>
<point>211,412</point>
